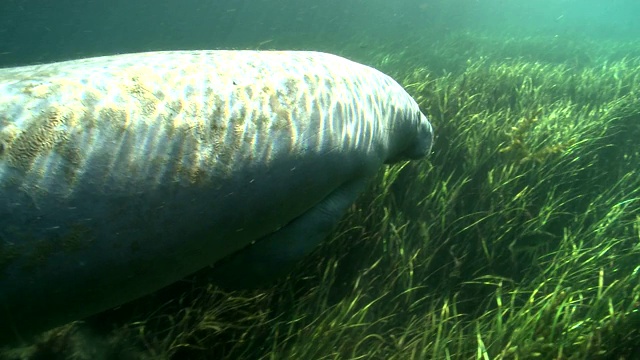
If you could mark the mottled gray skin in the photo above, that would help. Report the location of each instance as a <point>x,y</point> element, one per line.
<point>122,174</point>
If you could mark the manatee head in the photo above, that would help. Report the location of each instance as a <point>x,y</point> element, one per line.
<point>420,145</point>
<point>411,137</point>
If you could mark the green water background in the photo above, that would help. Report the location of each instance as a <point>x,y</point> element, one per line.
<point>36,31</point>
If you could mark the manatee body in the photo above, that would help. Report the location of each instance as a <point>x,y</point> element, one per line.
<point>122,174</point>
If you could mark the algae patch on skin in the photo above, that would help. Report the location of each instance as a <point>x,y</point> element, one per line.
<point>44,133</point>
<point>8,133</point>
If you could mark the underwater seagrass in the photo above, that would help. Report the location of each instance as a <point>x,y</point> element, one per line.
<point>122,174</point>
<point>483,251</point>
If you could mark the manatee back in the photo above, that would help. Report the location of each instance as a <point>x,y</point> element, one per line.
<point>122,174</point>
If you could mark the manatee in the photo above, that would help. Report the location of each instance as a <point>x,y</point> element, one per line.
<point>122,174</point>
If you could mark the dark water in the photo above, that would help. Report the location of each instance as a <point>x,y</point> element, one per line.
<point>36,31</point>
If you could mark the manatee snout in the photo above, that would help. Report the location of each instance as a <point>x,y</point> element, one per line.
<point>418,143</point>
<point>423,141</point>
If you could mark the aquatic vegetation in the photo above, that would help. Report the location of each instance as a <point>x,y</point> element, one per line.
<point>518,238</point>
